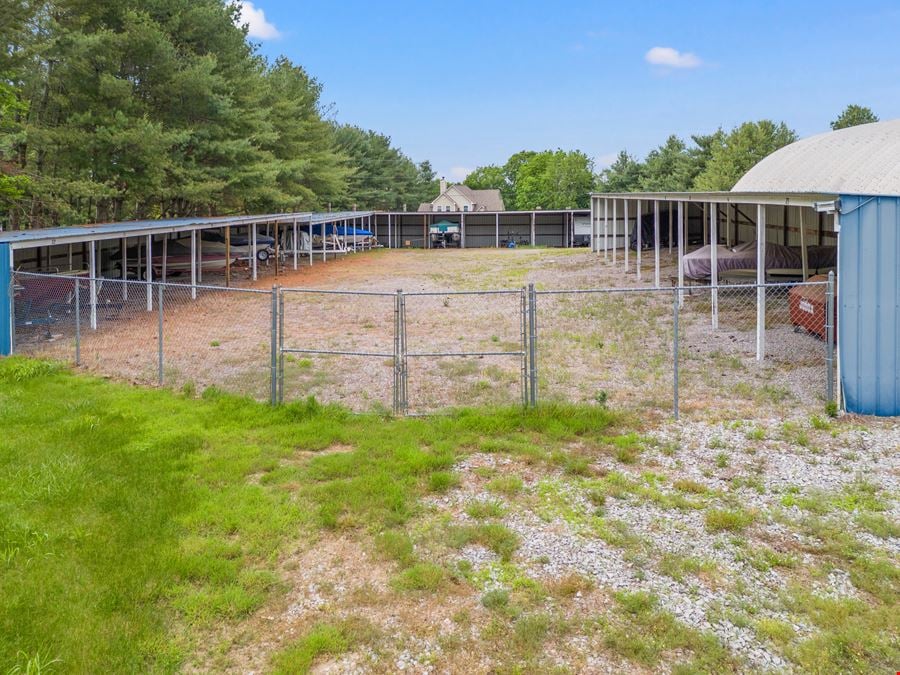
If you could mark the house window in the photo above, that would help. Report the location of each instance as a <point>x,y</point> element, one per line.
<point>465,207</point>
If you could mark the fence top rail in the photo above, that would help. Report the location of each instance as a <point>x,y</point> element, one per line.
<point>516,291</point>
<point>670,289</point>
<point>418,354</point>
<point>335,291</point>
<point>142,283</point>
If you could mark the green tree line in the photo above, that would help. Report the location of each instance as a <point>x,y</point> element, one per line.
<point>119,109</point>
<point>711,162</point>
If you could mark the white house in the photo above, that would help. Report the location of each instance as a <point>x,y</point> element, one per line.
<point>463,198</point>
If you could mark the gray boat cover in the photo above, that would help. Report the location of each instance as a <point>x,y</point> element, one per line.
<point>698,264</point>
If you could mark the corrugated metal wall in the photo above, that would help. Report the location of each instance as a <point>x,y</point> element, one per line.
<point>6,301</point>
<point>869,304</point>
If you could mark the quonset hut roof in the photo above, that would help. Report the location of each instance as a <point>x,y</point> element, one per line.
<point>861,160</point>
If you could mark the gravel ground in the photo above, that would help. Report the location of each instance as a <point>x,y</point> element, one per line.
<point>558,541</point>
<point>753,441</point>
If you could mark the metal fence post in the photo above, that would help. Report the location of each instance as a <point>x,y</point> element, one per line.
<point>159,341</point>
<point>396,383</point>
<point>404,359</point>
<point>532,343</point>
<point>280,345</point>
<point>829,337</point>
<point>524,341</point>
<point>675,304</point>
<point>77,323</point>
<point>273,342</point>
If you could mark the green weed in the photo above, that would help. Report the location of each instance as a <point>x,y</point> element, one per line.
<point>727,520</point>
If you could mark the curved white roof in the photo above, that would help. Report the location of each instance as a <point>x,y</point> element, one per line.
<point>861,160</point>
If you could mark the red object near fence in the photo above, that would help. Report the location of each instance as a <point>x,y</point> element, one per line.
<point>807,307</point>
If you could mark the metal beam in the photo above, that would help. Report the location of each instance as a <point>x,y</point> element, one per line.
<point>148,273</point>
<point>714,263</point>
<point>681,253</point>
<point>760,281</point>
<point>656,243</point>
<point>193,265</point>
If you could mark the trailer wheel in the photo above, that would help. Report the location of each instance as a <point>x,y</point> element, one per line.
<point>262,255</point>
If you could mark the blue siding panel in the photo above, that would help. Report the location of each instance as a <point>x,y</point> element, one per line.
<point>869,304</point>
<point>6,306</point>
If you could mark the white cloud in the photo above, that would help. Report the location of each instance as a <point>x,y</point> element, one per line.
<point>257,24</point>
<point>459,173</point>
<point>672,58</point>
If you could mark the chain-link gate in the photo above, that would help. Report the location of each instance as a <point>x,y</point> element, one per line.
<point>324,334</point>
<point>479,354</point>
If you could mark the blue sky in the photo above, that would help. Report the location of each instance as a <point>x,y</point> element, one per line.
<point>469,83</point>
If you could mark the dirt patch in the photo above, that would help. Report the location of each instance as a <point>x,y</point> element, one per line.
<point>610,348</point>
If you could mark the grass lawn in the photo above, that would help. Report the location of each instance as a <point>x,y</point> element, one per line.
<point>131,520</point>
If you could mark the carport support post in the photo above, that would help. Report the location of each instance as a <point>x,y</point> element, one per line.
<point>627,238</point>
<point>714,263</point>
<point>296,243</point>
<point>228,256</point>
<point>165,256</point>
<point>669,204</point>
<point>615,237</point>
<point>93,263</point>
<point>606,230</point>
<point>253,249</point>
<point>680,253</point>
<point>639,225</point>
<point>193,264</point>
<point>496,230</point>
<point>200,256</point>
<point>309,243</point>
<point>462,230</point>
<point>124,245</point>
<point>760,282</point>
<point>656,243</point>
<point>390,241</point>
<point>277,246</point>
<point>148,272</point>
<point>533,243</point>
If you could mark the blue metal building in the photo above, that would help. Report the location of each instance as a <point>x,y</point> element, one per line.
<point>860,166</point>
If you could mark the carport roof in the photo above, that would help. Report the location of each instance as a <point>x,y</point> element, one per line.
<point>748,197</point>
<point>134,228</point>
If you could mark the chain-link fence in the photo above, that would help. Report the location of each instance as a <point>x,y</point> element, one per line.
<point>737,346</point>
<point>166,334</point>
<point>655,350</point>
